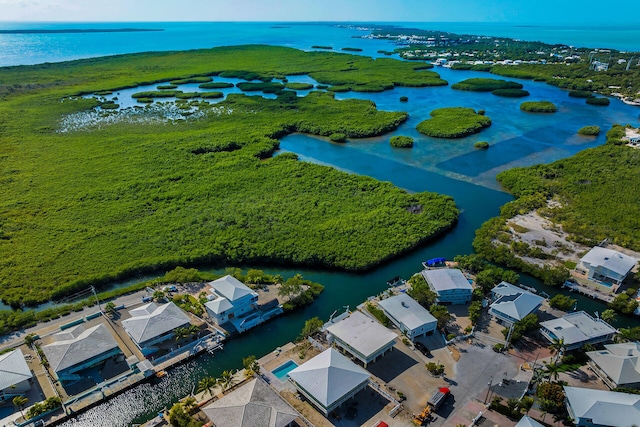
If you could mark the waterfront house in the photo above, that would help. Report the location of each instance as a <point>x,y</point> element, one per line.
<point>618,365</point>
<point>253,404</point>
<point>329,380</point>
<point>606,265</point>
<point>450,285</point>
<point>527,421</point>
<point>599,408</point>
<point>153,324</point>
<point>512,304</point>
<point>78,348</point>
<point>577,329</point>
<point>362,337</point>
<point>411,318</point>
<point>15,375</point>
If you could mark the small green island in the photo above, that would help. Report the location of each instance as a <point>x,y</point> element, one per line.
<point>598,100</point>
<point>589,131</point>
<point>299,86</point>
<point>454,122</point>
<point>485,85</point>
<point>216,85</point>
<point>482,145</point>
<point>401,141</point>
<point>539,107</point>
<point>118,198</point>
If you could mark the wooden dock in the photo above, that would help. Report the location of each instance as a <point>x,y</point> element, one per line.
<point>591,293</point>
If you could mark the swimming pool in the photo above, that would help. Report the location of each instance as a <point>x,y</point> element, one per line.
<point>281,371</point>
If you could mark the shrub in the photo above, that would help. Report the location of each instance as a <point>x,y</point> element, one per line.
<point>435,368</point>
<point>338,137</point>
<point>589,131</point>
<point>401,141</point>
<point>601,101</point>
<point>510,93</point>
<point>378,314</point>
<point>456,122</point>
<point>539,107</point>
<point>485,85</point>
<point>404,98</point>
<point>580,94</point>
<point>498,348</point>
<point>481,144</point>
<point>562,302</point>
<point>216,85</point>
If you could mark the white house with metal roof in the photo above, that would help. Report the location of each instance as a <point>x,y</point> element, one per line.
<point>230,298</point>
<point>450,284</point>
<point>512,304</point>
<point>79,348</point>
<point>577,329</point>
<point>152,324</point>
<point>253,404</point>
<point>329,380</point>
<point>527,421</point>
<point>600,408</point>
<point>408,315</point>
<point>362,337</point>
<point>606,265</point>
<point>15,375</point>
<point>618,365</point>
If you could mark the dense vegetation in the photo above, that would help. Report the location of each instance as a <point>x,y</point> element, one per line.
<point>481,144</point>
<point>93,204</point>
<point>299,86</point>
<point>485,85</point>
<point>589,131</point>
<point>214,85</point>
<point>600,101</point>
<point>401,141</point>
<point>511,93</point>
<point>580,94</point>
<point>266,87</point>
<point>539,107</point>
<point>456,122</point>
<point>592,203</point>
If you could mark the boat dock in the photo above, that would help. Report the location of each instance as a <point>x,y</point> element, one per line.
<point>591,293</point>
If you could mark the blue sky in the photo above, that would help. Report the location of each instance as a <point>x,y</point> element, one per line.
<point>513,11</point>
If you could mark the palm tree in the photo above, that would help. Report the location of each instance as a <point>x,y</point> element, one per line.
<point>608,315</point>
<point>226,380</point>
<point>181,333</point>
<point>626,334</point>
<point>552,371</point>
<point>20,401</point>
<point>206,384</point>
<point>193,329</point>
<point>557,348</point>
<point>158,295</point>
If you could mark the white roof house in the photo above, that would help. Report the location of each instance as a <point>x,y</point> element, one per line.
<point>329,379</point>
<point>618,365</point>
<point>361,336</point>
<point>577,329</point>
<point>14,374</point>
<point>253,404</point>
<point>589,407</point>
<point>606,265</point>
<point>527,421</point>
<point>513,304</point>
<point>449,284</point>
<point>409,316</point>
<point>219,305</point>
<point>231,288</point>
<point>79,348</point>
<point>152,323</point>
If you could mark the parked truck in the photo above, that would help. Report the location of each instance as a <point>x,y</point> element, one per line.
<point>433,404</point>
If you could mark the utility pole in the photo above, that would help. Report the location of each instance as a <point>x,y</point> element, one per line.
<point>488,390</point>
<point>97,300</point>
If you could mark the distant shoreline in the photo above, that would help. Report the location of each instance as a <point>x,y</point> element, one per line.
<point>81,30</point>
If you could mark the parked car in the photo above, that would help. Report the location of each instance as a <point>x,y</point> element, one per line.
<point>147,299</point>
<point>423,349</point>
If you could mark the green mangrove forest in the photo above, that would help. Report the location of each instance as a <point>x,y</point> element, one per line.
<point>87,201</point>
<point>454,122</point>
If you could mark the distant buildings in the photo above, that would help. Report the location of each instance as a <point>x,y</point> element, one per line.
<point>511,303</point>
<point>411,318</point>
<point>79,348</point>
<point>362,337</point>
<point>329,380</point>
<point>577,329</point>
<point>253,404</point>
<point>15,375</point>
<point>153,324</point>
<point>606,265</point>
<point>618,365</point>
<point>598,408</point>
<point>451,286</point>
<point>233,302</point>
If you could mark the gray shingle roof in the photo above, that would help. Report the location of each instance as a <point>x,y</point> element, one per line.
<point>230,288</point>
<point>329,376</point>
<point>621,362</point>
<point>407,310</point>
<point>13,369</point>
<point>609,259</point>
<point>254,404</point>
<point>607,408</point>
<point>362,333</point>
<point>151,320</point>
<point>77,345</point>
<point>446,279</point>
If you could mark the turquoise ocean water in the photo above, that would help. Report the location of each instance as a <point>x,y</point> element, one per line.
<point>21,49</point>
